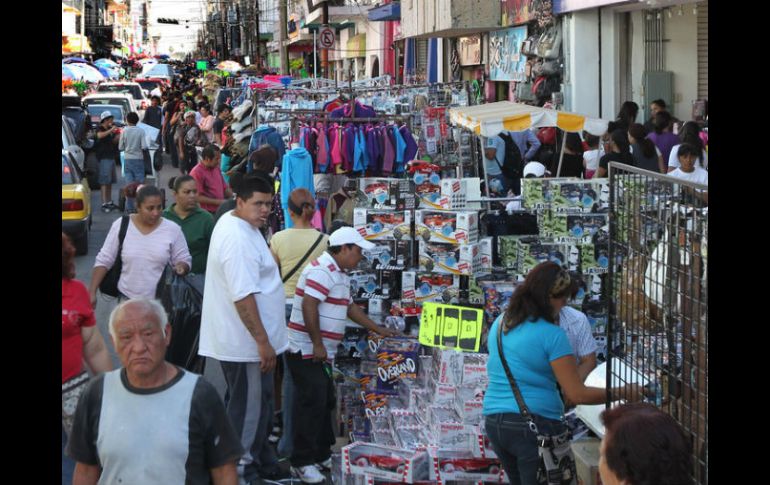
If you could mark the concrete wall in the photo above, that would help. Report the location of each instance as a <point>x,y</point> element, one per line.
<point>582,63</point>
<point>426,16</point>
<point>681,56</point>
<point>637,63</point>
<point>374,45</point>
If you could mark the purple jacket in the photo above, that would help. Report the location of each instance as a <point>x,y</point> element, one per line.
<point>373,147</point>
<point>361,111</point>
<point>390,152</point>
<point>665,142</point>
<point>411,146</point>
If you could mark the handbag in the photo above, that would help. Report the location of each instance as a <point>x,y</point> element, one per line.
<point>550,43</point>
<point>302,261</point>
<point>557,462</point>
<point>109,285</point>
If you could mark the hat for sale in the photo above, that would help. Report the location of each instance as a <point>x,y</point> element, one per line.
<point>348,235</point>
<point>534,169</point>
<point>105,115</point>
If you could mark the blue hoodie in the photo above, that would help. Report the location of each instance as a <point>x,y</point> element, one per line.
<point>296,172</point>
<point>266,135</point>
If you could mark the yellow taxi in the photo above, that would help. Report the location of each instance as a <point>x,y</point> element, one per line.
<point>75,203</point>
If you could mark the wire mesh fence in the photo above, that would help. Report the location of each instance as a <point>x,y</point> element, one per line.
<point>658,317</point>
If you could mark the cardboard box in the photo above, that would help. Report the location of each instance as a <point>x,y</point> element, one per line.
<point>532,252</point>
<point>482,447</point>
<point>441,394</point>
<point>573,228</point>
<point>421,287</point>
<point>385,462</point>
<point>397,358</point>
<point>387,193</point>
<point>393,255</point>
<point>383,225</point>
<point>587,460</point>
<point>447,366</point>
<point>456,227</point>
<point>588,196</point>
<point>462,465</point>
<point>447,258</point>
<point>470,411</point>
<point>474,368</point>
<point>447,428</point>
<point>594,259</point>
<point>382,284</point>
<point>508,251</point>
<point>455,193</point>
<point>497,294</point>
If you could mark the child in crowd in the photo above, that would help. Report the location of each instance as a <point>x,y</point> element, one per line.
<point>591,156</point>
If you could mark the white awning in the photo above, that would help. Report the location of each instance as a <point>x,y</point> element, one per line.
<point>492,118</point>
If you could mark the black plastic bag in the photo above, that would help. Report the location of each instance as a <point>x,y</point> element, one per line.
<point>183,304</point>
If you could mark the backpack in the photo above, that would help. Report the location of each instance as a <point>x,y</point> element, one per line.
<point>513,163</point>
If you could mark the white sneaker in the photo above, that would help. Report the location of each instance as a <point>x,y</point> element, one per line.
<point>308,474</point>
<point>324,465</point>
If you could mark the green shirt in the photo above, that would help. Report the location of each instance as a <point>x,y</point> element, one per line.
<point>197,229</point>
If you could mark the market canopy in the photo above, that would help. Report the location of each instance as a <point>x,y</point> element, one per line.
<point>492,118</point>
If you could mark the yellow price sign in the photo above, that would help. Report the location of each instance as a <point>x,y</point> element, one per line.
<point>451,326</point>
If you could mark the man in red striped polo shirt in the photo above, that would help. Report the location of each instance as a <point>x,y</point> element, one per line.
<point>322,305</point>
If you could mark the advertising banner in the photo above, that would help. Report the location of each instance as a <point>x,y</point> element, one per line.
<point>506,63</point>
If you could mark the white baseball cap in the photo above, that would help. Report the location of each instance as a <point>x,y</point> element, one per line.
<point>105,115</point>
<point>348,235</point>
<point>534,168</point>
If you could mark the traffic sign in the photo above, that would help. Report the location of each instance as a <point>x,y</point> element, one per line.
<point>326,37</point>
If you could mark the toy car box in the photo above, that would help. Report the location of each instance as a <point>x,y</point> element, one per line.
<point>447,428</point>
<point>586,196</point>
<point>396,255</point>
<point>470,411</point>
<point>497,294</point>
<point>374,285</point>
<point>447,258</point>
<point>441,394</point>
<point>388,193</point>
<point>421,287</point>
<point>447,367</point>
<point>482,445</point>
<point>594,259</point>
<point>456,227</point>
<point>532,252</point>
<point>455,193</point>
<point>572,228</point>
<point>385,462</point>
<point>383,224</point>
<point>451,465</point>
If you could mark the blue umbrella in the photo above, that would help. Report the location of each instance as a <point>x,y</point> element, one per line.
<point>85,72</point>
<point>106,63</point>
<point>67,73</point>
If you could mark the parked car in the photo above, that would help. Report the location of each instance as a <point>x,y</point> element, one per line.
<point>125,101</point>
<point>69,143</point>
<point>141,101</point>
<point>72,107</point>
<point>75,203</point>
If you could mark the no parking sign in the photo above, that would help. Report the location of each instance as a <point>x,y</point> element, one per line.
<point>326,37</point>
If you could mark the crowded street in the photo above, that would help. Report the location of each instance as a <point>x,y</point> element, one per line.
<point>361,242</point>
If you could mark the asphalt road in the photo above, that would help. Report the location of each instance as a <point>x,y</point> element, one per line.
<point>100,227</point>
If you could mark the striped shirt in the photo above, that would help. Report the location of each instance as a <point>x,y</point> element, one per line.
<point>578,329</point>
<point>325,281</point>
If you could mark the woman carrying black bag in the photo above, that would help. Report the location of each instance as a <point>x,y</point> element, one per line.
<point>538,355</point>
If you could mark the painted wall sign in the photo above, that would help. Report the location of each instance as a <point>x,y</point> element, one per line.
<point>506,63</point>
<point>517,12</point>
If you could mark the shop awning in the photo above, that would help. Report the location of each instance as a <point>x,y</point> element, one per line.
<point>390,11</point>
<point>74,43</point>
<point>67,9</point>
<point>492,118</point>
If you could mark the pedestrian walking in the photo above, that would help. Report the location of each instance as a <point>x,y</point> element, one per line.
<point>106,151</point>
<point>132,143</point>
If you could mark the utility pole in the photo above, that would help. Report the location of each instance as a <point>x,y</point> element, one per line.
<point>257,56</point>
<point>82,25</point>
<point>282,37</point>
<point>325,52</point>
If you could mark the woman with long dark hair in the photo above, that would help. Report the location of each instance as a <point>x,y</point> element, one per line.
<point>646,154</point>
<point>627,115</point>
<point>539,356</point>
<point>663,138</point>
<point>572,161</point>
<point>691,134</point>
<point>619,151</point>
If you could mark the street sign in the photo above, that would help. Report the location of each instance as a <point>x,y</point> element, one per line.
<point>326,37</point>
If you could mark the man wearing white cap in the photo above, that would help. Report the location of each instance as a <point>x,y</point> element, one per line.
<point>322,304</point>
<point>106,151</point>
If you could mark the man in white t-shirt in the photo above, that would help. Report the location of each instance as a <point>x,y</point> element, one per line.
<point>689,171</point>
<point>322,305</point>
<point>243,322</point>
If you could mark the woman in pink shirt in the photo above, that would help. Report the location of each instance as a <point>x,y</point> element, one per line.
<point>151,243</point>
<point>207,123</point>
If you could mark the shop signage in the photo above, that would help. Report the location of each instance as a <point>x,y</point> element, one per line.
<point>563,6</point>
<point>506,63</point>
<point>450,326</point>
<point>470,50</point>
<point>292,27</point>
<point>356,46</point>
<point>517,12</point>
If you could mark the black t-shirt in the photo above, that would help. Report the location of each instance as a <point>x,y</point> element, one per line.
<point>105,147</point>
<point>219,125</point>
<point>152,116</point>
<point>647,163</point>
<point>615,157</point>
<point>143,429</point>
<point>571,166</point>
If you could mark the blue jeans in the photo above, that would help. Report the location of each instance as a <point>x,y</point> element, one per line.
<point>516,445</point>
<point>285,445</point>
<point>133,171</point>
<point>67,463</point>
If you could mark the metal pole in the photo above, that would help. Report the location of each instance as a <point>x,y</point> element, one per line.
<point>282,38</point>
<point>82,25</point>
<point>561,155</point>
<point>315,55</point>
<point>325,53</point>
<point>258,56</point>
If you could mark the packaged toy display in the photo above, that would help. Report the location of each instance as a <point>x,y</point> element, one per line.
<point>382,225</point>
<point>386,193</point>
<point>588,196</point>
<point>462,465</point>
<point>388,463</point>
<point>422,287</point>
<point>456,227</point>
<point>396,360</point>
<point>456,259</point>
<point>395,255</point>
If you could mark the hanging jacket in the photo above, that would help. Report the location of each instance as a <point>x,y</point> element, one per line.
<point>361,139</point>
<point>334,146</point>
<point>400,149</point>
<point>359,148</point>
<point>323,157</point>
<point>266,135</point>
<point>389,156</point>
<point>359,110</point>
<point>296,172</point>
<point>411,146</point>
<point>350,147</point>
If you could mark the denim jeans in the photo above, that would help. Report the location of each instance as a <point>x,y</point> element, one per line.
<point>285,444</point>
<point>516,445</point>
<point>67,463</point>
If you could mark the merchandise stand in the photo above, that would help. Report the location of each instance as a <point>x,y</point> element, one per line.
<point>659,326</point>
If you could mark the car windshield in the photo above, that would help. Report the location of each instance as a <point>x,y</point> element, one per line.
<point>148,85</point>
<point>95,111</point>
<point>113,101</point>
<point>132,89</point>
<point>159,70</point>
<point>67,175</point>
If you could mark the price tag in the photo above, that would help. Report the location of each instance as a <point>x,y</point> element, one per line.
<point>451,326</point>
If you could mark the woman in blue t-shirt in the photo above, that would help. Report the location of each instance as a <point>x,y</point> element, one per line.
<point>539,356</point>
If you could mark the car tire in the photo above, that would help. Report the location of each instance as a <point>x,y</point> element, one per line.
<point>81,244</point>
